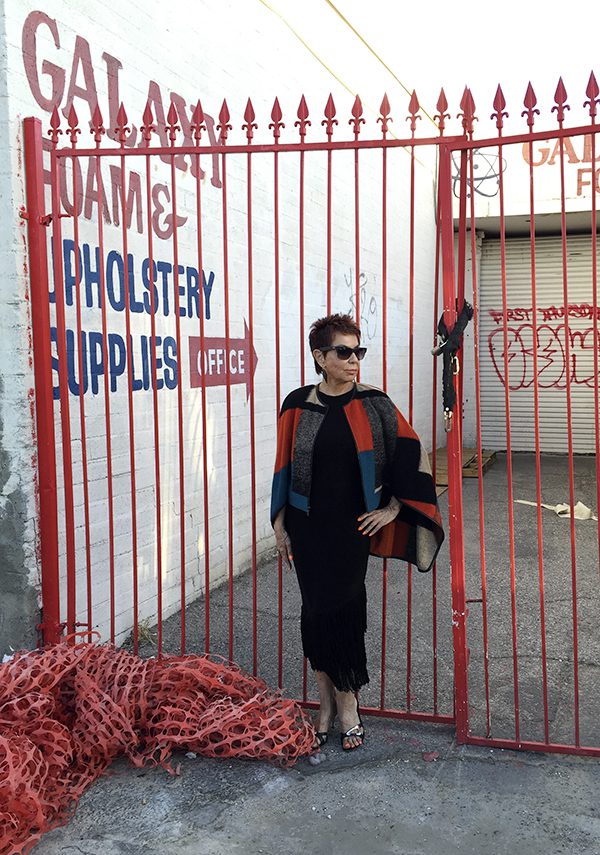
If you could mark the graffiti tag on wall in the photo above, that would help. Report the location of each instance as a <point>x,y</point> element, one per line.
<point>548,339</point>
<point>367,305</point>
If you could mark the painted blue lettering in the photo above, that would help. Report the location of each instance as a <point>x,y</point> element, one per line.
<point>193,297</point>
<point>69,269</point>
<point>164,268</point>
<point>158,361</point>
<point>96,360</point>
<point>54,360</point>
<point>134,305</point>
<point>170,359</point>
<point>116,359</point>
<point>117,303</point>
<point>91,277</point>
<point>72,360</point>
<point>137,383</point>
<point>207,287</point>
<point>145,368</point>
<point>181,289</point>
<point>148,286</point>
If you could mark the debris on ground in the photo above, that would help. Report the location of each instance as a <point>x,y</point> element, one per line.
<point>580,511</point>
<point>67,711</point>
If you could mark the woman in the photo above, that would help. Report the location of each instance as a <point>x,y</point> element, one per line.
<point>351,479</point>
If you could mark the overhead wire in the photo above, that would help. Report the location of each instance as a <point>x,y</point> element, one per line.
<point>328,68</point>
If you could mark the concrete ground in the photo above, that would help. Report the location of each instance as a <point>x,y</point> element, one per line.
<point>384,798</point>
<point>411,789</point>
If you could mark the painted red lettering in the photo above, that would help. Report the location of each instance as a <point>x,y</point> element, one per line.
<point>29,49</point>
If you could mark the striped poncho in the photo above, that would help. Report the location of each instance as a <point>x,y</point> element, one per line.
<point>392,463</point>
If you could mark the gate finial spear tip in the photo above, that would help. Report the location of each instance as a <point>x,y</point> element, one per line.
<point>357,116</point>
<point>303,120</point>
<point>224,112</point>
<point>384,117</point>
<point>249,125</point>
<point>198,114</point>
<point>302,109</point>
<point>442,115</point>
<point>530,101</point>
<point>97,125</point>
<point>197,123</point>
<point>530,97</point>
<point>592,91</point>
<point>276,114</point>
<point>560,98</point>
<point>499,112</point>
<point>413,109</point>
<point>55,130</point>
<point>329,120</point>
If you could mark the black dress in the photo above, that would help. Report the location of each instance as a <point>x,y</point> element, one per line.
<point>330,554</point>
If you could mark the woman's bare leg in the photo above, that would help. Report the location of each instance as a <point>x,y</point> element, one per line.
<point>347,705</point>
<point>326,700</point>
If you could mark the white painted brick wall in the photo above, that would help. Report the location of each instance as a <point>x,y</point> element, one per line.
<point>203,56</point>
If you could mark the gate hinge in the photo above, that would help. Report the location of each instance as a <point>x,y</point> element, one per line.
<point>44,626</point>
<point>43,221</point>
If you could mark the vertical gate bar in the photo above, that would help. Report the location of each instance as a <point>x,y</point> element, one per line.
<point>250,368</point>
<point>302,352</point>
<point>455,514</point>
<point>63,382</point>
<point>384,583</point>
<point>107,410</point>
<point>228,410</point>
<point>357,241</point>
<point>536,410</point>
<point>482,554</point>
<point>509,473</point>
<point>329,231</point>
<point>278,357</point>
<point>129,351</point>
<point>411,324</point>
<point>153,374</point>
<point>462,256</point>
<point>179,424</point>
<point>594,226</point>
<point>460,296</point>
<point>563,232</point>
<point>42,366</point>
<point>202,310</point>
<point>434,386</point>
<point>301,263</point>
<point>80,369</point>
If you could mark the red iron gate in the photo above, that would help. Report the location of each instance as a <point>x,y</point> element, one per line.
<point>154,503</point>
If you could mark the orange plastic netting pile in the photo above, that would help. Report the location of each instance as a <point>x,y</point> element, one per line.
<point>66,712</point>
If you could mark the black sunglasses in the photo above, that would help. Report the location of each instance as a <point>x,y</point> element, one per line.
<point>344,352</point>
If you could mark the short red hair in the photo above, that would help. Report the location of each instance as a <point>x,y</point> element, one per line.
<point>322,333</point>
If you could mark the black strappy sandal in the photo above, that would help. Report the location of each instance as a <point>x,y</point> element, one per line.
<point>358,732</point>
<point>323,735</point>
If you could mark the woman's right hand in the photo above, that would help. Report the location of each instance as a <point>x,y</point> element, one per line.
<point>284,545</point>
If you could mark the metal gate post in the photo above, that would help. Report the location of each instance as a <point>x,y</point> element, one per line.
<point>42,355</point>
<point>455,507</point>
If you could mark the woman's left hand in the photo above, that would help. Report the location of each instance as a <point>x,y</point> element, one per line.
<point>371,523</point>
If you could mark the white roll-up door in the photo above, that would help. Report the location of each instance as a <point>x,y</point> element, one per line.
<point>550,332</point>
